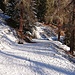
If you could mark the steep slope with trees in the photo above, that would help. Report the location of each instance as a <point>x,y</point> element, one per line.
<point>56,12</point>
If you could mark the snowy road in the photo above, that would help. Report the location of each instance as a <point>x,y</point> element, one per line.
<point>34,59</point>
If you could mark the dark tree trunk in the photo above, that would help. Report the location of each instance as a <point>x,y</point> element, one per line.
<point>72,40</point>
<point>58,33</point>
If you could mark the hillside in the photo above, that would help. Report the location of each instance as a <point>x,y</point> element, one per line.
<point>44,57</point>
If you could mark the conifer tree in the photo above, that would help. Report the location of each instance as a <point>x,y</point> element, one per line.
<point>2,5</point>
<point>41,9</point>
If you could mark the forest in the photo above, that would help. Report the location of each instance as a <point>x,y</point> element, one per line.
<point>59,13</point>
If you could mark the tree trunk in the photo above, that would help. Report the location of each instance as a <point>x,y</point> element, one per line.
<point>21,21</point>
<point>58,33</point>
<point>72,40</point>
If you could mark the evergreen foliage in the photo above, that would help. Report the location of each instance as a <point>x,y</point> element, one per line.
<point>13,10</point>
<point>41,9</point>
<point>10,8</point>
<point>2,5</point>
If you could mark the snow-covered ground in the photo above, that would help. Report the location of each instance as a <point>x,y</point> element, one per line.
<point>45,57</point>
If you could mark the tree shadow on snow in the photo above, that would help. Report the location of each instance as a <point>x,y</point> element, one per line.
<point>41,65</point>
